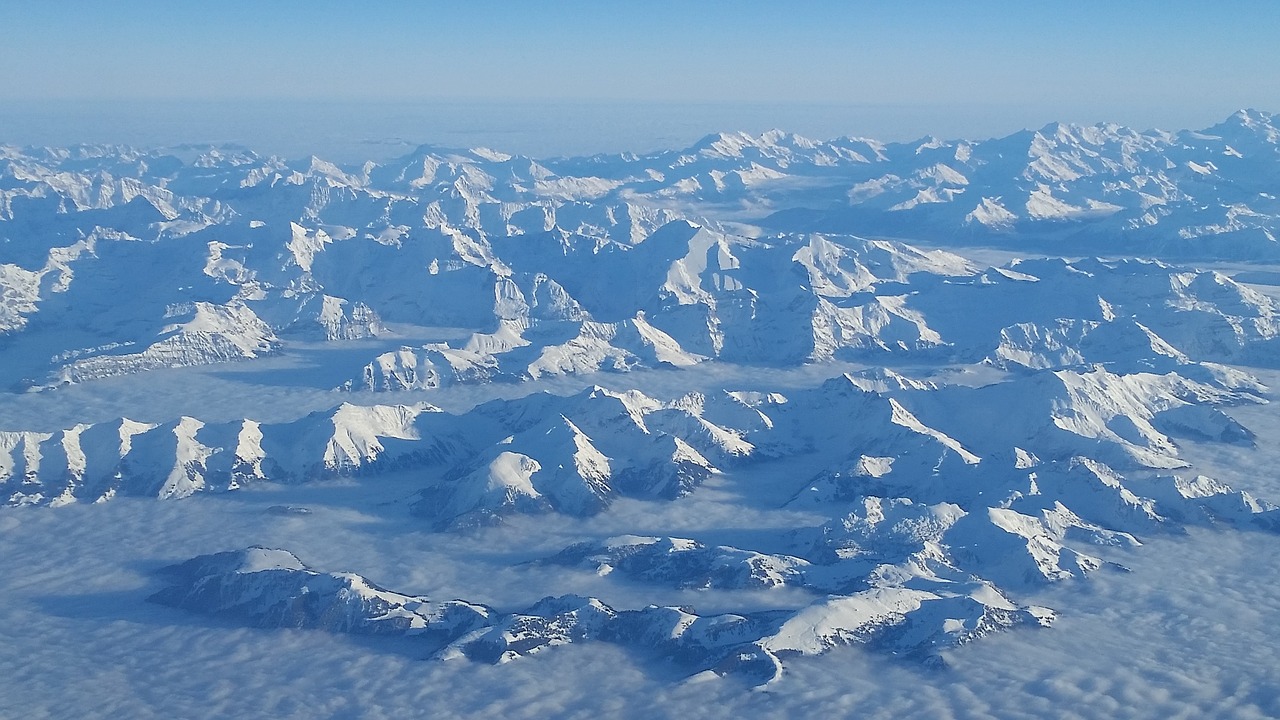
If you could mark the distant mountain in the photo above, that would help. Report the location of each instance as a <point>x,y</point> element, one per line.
<point>1205,193</point>
<point>616,262</point>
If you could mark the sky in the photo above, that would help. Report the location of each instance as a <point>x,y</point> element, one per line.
<point>892,70</point>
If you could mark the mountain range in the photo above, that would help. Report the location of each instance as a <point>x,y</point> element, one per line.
<point>971,432</point>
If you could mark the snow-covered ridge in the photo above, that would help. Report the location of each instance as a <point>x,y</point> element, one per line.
<point>575,454</point>
<point>897,576</point>
<point>1188,192</point>
<point>781,300</point>
<point>488,462</point>
<point>272,588</point>
<point>769,301</point>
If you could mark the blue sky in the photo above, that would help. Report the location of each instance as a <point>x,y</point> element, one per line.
<point>1167,64</point>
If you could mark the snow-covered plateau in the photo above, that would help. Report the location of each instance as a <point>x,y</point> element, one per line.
<point>946,427</point>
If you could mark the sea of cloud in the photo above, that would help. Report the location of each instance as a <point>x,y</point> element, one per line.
<point>1190,632</point>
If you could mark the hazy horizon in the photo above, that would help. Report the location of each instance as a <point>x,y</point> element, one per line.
<point>352,131</point>
<point>574,77</point>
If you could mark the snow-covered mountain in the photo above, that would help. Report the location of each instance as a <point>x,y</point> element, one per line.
<point>1206,192</point>
<point>931,438</point>
<point>583,264</point>
<point>939,516</point>
<point>895,575</point>
<point>273,588</point>
<point>531,454</point>
<point>684,295</point>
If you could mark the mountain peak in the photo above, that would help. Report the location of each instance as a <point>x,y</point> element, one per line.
<point>1250,117</point>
